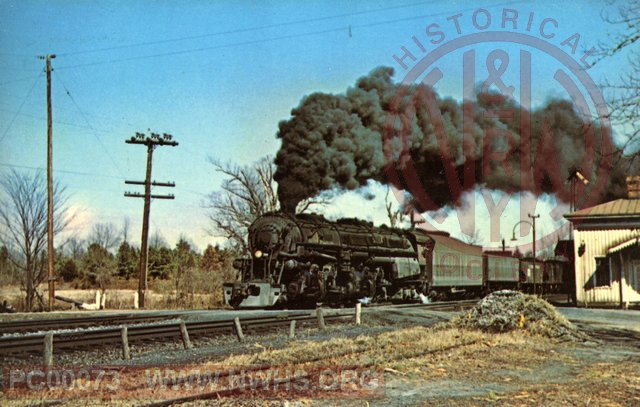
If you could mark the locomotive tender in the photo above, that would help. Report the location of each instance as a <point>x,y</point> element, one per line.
<point>305,259</point>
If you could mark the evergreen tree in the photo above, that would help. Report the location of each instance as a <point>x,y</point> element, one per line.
<point>211,260</point>
<point>67,269</point>
<point>159,260</point>
<point>99,264</point>
<point>128,259</point>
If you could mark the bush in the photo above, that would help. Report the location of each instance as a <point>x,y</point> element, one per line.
<point>69,270</point>
<point>191,289</point>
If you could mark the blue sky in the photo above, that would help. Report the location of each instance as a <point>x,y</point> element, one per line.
<point>219,76</point>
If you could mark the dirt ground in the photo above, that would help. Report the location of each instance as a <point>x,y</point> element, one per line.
<point>427,362</point>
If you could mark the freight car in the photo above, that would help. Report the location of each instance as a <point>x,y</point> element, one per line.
<point>305,259</point>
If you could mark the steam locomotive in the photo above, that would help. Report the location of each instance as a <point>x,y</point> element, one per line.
<point>301,260</point>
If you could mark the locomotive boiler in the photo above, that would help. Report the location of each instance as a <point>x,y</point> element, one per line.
<point>305,259</point>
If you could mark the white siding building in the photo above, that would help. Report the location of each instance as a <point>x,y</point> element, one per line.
<point>607,252</point>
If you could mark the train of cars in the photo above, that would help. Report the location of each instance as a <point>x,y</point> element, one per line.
<point>302,260</point>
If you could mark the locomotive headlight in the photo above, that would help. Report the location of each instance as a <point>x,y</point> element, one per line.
<point>258,254</point>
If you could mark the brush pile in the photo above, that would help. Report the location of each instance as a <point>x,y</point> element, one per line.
<point>507,310</point>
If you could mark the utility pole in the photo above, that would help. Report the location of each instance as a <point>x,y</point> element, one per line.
<point>533,225</point>
<point>50,254</point>
<point>151,142</point>
<point>513,238</point>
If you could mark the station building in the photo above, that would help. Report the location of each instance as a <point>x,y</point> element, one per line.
<point>607,251</point>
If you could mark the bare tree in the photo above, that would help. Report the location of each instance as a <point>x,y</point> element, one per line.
<point>396,217</point>
<point>126,225</point>
<point>623,92</point>
<point>104,235</point>
<point>247,192</point>
<point>157,241</point>
<point>23,214</point>
<point>74,247</point>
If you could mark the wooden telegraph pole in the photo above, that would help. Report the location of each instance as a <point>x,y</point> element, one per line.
<point>151,142</point>
<point>50,253</point>
<point>533,225</point>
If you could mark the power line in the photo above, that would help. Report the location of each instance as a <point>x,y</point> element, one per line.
<point>10,165</point>
<point>444,13</point>
<point>10,68</point>
<point>93,131</point>
<point>243,30</point>
<point>16,80</point>
<point>192,50</point>
<point>7,54</point>
<point>111,119</point>
<point>64,123</point>
<point>6,131</point>
<point>345,28</point>
<point>91,174</point>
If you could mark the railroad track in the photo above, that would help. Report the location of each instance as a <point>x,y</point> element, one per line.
<point>110,336</point>
<point>35,325</point>
<point>435,306</point>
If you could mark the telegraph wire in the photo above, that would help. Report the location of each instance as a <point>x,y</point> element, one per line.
<point>13,119</point>
<point>398,20</point>
<point>7,54</point>
<point>272,39</point>
<point>63,123</point>
<point>112,119</point>
<point>93,131</point>
<point>16,80</point>
<point>244,30</point>
<point>27,167</point>
<point>209,48</point>
<point>10,68</point>
<point>90,174</point>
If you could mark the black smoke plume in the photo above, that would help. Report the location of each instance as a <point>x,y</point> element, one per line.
<point>379,128</point>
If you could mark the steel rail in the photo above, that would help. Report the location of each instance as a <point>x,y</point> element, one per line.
<point>436,306</point>
<point>108,336</point>
<point>35,325</point>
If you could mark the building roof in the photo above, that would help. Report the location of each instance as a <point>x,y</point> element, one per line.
<point>624,245</point>
<point>621,212</point>
<point>619,207</point>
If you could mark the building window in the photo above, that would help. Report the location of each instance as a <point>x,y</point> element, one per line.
<point>602,276</point>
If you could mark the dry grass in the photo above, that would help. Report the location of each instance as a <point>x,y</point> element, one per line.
<point>534,369</point>
<point>376,350</point>
<point>122,299</point>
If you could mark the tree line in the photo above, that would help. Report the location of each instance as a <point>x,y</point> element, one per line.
<point>103,260</point>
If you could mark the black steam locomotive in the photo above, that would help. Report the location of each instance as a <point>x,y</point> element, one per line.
<point>305,259</point>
